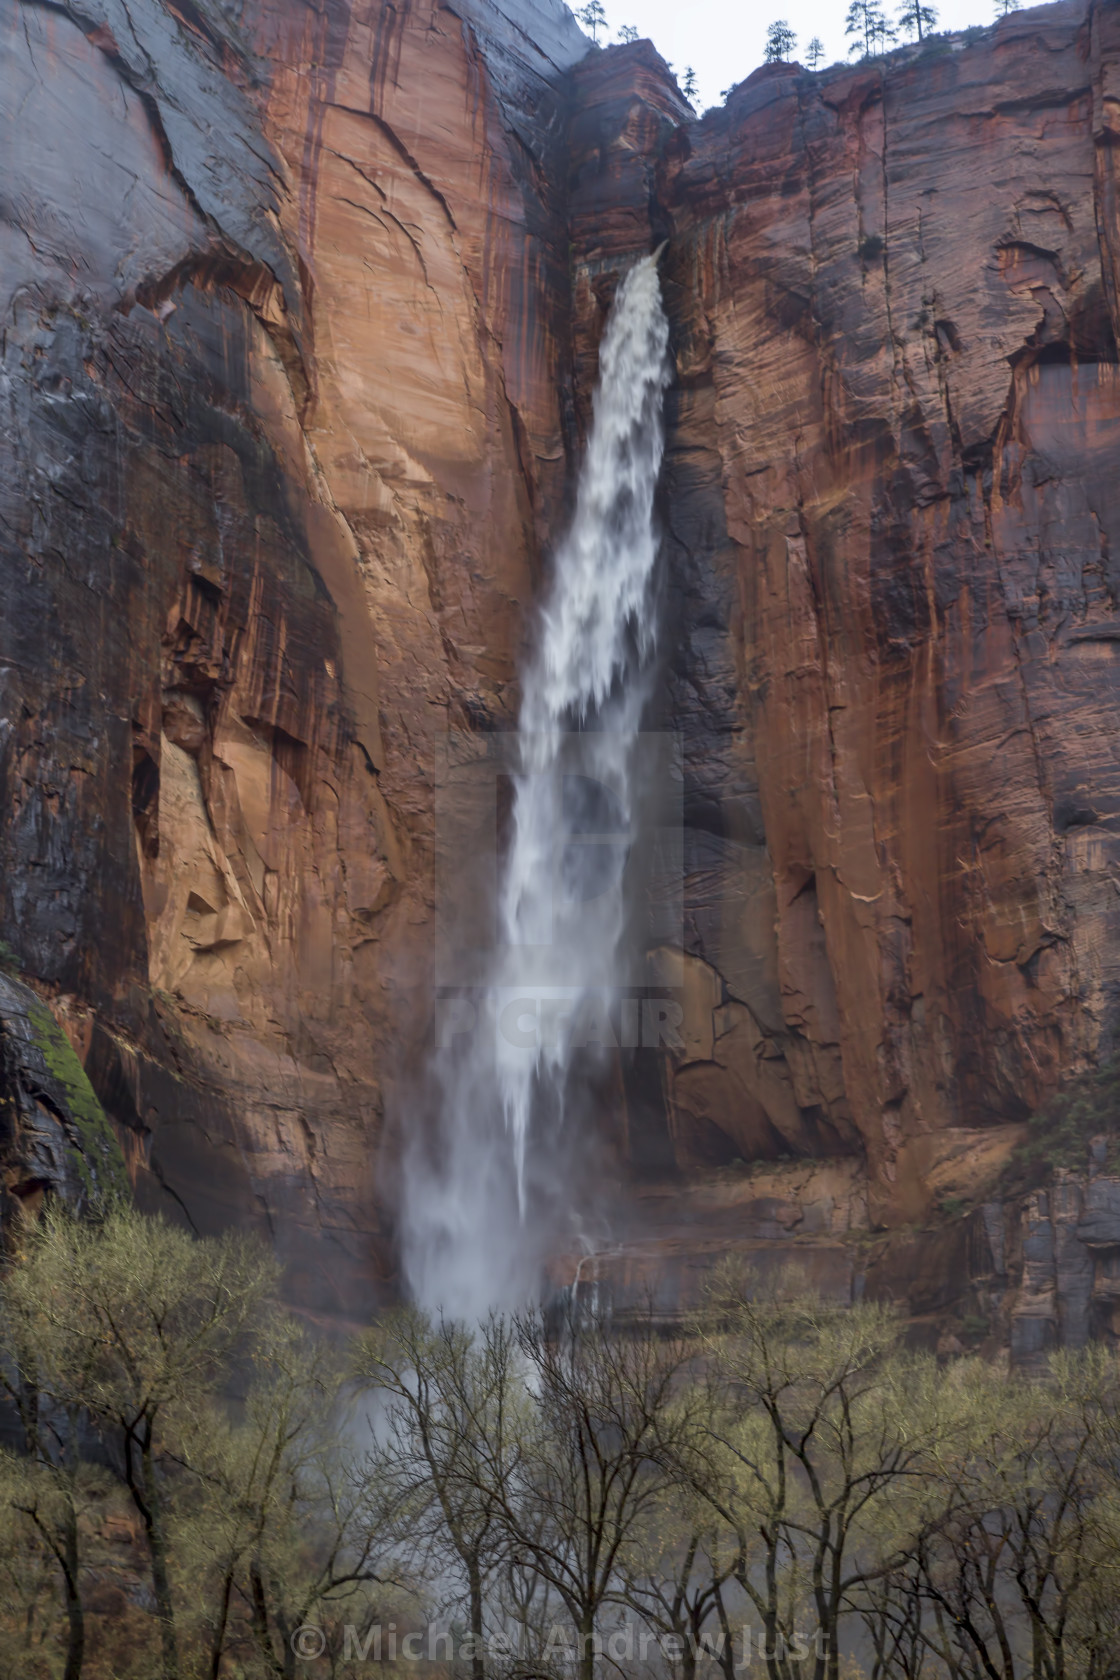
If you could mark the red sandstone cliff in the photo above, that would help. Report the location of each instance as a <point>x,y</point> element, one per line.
<point>300,320</point>
<point>899,343</point>
<point>892,522</point>
<point>284,304</point>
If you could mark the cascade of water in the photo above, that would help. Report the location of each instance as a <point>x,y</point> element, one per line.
<point>473,1225</point>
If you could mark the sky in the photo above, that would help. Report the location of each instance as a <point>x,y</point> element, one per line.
<point>724,40</point>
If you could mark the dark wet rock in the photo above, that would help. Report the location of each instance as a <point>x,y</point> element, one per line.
<point>1099,1225</point>
<point>54,1135</point>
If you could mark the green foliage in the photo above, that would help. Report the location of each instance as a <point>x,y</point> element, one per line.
<point>917,18</point>
<point>9,958</point>
<point>283,1520</point>
<point>1060,1133</point>
<point>814,52</point>
<point>593,17</point>
<point>98,1158</point>
<point>953,1206</point>
<point>780,42</point>
<point>868,23</point>
<point>871,247</point>
<point>117,1343</point>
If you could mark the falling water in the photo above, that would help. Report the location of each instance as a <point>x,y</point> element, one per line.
<point>480,1208</point>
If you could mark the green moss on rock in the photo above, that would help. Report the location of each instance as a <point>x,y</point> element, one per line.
<point>97,1157</point>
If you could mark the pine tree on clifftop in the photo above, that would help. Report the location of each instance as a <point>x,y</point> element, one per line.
<point>593,18</point>
<point>868,22</point>
<point>780,42</point>
<point>916,18</point>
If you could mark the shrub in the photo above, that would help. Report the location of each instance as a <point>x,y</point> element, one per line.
<point>1060,1133</point>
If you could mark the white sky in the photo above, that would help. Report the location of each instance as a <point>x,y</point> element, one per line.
<point>723,40</point>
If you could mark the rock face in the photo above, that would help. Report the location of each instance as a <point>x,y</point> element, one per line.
<point>300,317</point>
<point>54,1135</point>
<point>284,300</point>
<point>893,529</point>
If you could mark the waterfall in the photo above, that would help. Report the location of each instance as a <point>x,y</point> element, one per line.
<point>482,1205</point>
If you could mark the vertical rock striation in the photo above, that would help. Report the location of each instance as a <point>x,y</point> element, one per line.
<point>893,527</point>
<point>284,299</point>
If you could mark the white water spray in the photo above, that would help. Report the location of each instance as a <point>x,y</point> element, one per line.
<point>479,1213</point>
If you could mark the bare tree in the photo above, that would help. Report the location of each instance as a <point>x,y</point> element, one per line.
<point>1013,1573</point>
<point>284,1522</point>
<point>612,1417</point>
<point>674,1575</point>
<point>452,1442</point>
<point>812,1438</point>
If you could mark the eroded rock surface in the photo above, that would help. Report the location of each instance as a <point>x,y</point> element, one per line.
<point>893,525</point>
<point>284,301</point>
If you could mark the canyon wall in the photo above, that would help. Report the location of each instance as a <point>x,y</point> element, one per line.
<point>285,296</point>
<point>300,321</point>
<point>892,527</point>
